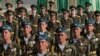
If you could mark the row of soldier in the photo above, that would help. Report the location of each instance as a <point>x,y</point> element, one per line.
<point>73,32</point>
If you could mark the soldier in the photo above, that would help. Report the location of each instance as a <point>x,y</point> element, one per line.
<point>91,38</point>
<point>8,47</point>
<point>21,20</point>
<point>54,23</point>
<point>78,40</point>
<point>34,18</point>
<point>65,20</point>
<point>97,23</point>
<point>43,24</point>
<point>81,13</point>
<point>10,20</point>
<point>9,6</point>
<point>19,5</point>
<point>51,6</point>
<point>73,14</point>
<point>27,41</point>
<point>43,46</point>
<point>43,12</point>
<point>88,11</point>
<point>62,46</point>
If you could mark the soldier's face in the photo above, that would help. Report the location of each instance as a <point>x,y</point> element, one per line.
<point>23,13</point>
<point>10,17</point>
<point>9,7</point>
<point>28,29</point>
<point>43,44</point>
<point>62,37</point>
<point>53,17</point>
<point>80,10</point>
<point>6,34</point>
<point>65,14</point>
<point>74,11</point>
<point>88,7</point>
<point>19,5</point>
<point>89,27</point>
<point>98,18</point>
<point>43,25</point>
<point>34,11</point>
<point>77,31</point>
<point>43,9</point>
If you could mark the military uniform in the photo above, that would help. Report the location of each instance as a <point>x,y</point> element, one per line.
<point>27,45</point>
<point>68,50</point>
<point>21,21</point>
<point>8,47</point>
<point>90,14</point>
<point>54,23</point>
<point>92,40</point>
<point>27,41</point>
<point>78,40</point>
<point>66,23</point>
<point>45,14</point>
<point>9,50</point>
<point>81,46</point>
<point>34,19</point>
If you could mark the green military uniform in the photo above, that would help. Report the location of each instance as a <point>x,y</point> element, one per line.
<point>53,24</point>
<point>82,15</point>
<point>66,22</point>
<point>18,8</point>
<point>45,14</point>
<point>97,23</point>
<point>74,17</point>
<point>34,19</point>
<point>89,13</point>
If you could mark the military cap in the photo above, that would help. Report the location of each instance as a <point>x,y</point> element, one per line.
<point>27,23</point>
<point>76,25</point>
<point>79,6</point>
<point>61,29</point>
<point>9,12</point>
<point>51,2</point>
<point>33,6</point>
<point>23,9</point>
<point>97,13</point>
<point>42,20</point>
<point>8,4</point>
<point>7,27</point>
<point>64,10</point>
<point>53,13</point>
<point>72,7</point>
<point>90,21</point>
<point>42,6</point>
<point>43,36</point>
<point>19,2</point>
<point>87,4</point>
